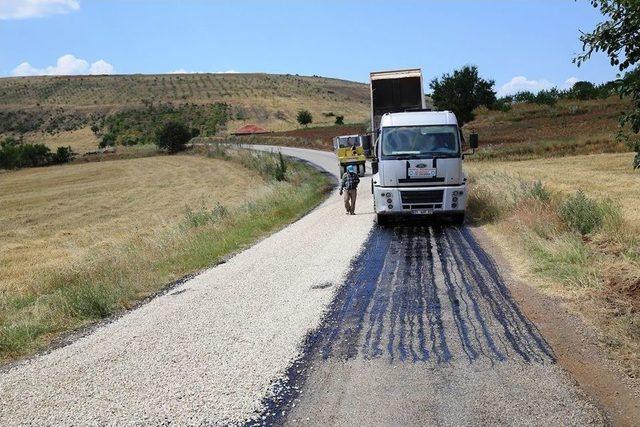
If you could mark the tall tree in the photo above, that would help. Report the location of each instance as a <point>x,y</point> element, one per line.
<point>619,38</point>
<point>462,92</point>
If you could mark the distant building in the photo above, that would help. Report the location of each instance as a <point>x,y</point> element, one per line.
<point>250,130</point>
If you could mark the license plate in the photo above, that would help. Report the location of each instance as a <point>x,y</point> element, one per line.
<point>421,172</point>
<point>422,211</point>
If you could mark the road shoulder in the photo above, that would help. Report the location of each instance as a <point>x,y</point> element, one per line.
<point>575,344</point>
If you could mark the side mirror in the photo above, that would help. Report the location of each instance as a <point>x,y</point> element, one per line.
<point>473,141</point>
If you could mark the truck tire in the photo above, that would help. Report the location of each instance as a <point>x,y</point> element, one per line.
<point>458,218</point>
<point>382,220</point>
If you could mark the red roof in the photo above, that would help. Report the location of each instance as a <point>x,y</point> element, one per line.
<point>249,130</point>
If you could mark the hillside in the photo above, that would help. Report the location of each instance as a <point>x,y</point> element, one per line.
<point>67,103</point>
<point>531,130</point>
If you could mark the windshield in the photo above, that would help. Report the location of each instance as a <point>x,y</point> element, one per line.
<point>347,141</point>
<point>420,141</point>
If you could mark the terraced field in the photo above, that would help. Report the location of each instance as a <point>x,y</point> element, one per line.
<point>267,99</point>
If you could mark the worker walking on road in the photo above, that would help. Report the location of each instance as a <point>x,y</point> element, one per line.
<point>349,186</point>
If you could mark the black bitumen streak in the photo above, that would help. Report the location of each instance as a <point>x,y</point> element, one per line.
<point>415,294</point>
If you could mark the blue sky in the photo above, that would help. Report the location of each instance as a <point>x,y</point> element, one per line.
<point>520,44</point>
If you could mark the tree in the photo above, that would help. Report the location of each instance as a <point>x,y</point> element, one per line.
<point>584,90</point>
<point>63,155</point>
<point>339,120</point>
<point>173,136</point>
<point>618,38</point>
<point>304,117</point>
<point>462,92</point>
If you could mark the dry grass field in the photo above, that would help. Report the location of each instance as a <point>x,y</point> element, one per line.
<point>583,248</point>
<point>80,141</point>
<point>600,175</point>
<point>58,215</point>
<point>80,242</point>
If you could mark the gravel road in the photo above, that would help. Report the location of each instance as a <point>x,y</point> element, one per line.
<point>208,351</point>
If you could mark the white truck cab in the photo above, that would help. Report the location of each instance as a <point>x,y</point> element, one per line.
<point>419,171</point>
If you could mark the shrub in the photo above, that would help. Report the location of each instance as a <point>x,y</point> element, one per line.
<point>540,192</point>
<point>9,154</point>
<point>547,97</point>
<point>524,96</point>
<point>304,117</point>
<point>14,155</point>
<point>173,136</point>
<point>484,206</point>
<point>63,155</point>
<point>581,213</point>
<point>34,155</point>
<point>339,120</point>
<point>108,140</point>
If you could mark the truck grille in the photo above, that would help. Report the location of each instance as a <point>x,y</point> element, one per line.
<point>431,199</point>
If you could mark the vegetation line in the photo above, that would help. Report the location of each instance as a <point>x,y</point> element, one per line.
<point>582,247</point>
<point>106,283</point>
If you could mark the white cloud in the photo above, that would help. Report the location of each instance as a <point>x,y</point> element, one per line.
<point>23,9</point>
<point>65,65</point>
<point>101,67</point>
<point>521,83</point>
<point>568,84</point>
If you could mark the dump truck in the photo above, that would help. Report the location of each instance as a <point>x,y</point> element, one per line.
<point>350,151</point>
<point>418,154</point>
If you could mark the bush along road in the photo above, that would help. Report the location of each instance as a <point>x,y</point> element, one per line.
<point>407,325</point>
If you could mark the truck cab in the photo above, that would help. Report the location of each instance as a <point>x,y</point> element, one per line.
<point>419,157</point>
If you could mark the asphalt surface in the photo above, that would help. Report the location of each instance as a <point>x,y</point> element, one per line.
<point>424,332</point>
<point>331,321</point>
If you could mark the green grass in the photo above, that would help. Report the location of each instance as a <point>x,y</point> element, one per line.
<point>115,281</point>
<point>580,246</point>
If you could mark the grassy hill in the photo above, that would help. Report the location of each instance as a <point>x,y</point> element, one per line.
<point>269,100</point>
<point>531,130</point>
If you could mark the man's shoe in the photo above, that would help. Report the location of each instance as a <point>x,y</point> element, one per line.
<point>353,213</point>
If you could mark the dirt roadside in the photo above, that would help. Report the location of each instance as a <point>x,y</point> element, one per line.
<point>575,345</point>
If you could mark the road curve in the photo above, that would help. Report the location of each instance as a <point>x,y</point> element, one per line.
<point>208,351</point>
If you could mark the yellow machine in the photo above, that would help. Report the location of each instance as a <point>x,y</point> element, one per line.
<point>350,151</point>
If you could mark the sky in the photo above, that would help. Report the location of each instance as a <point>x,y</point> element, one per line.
<point>521,44</point>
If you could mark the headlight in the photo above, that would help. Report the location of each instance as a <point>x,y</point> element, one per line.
<point>389,200</point>
<point>390,206</point>
<point>388,194</point>
<point>455,199</point>
<point>455,193</point>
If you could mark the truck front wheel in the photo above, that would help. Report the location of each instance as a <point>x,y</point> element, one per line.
<point>383,220</point>
<point>458,218</point>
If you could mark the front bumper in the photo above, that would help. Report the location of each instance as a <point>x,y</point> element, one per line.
<point>420,200</point>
